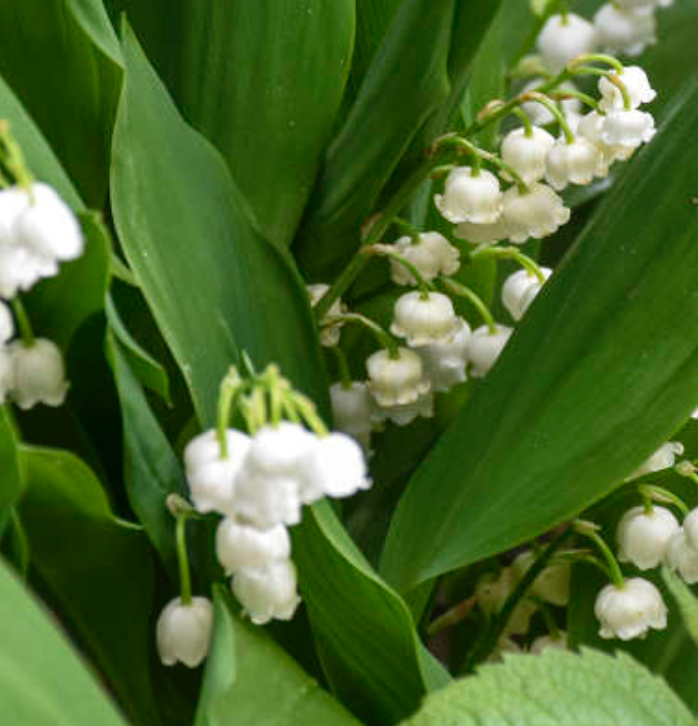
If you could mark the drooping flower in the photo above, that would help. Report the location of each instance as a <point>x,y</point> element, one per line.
<point>564,37</point>
<point>424,318</point>
<point>240,546</point>
<point>470,196</point>
<point>643,537</point>
<point>267,593</point>
<point>38,373</point>
<point>537,212</point>
<point>485,346</point>
<point>432,255</point>
<point>520,290</point>
<point>183,632</point>
<point>629,611</point>
<point>398,380</point>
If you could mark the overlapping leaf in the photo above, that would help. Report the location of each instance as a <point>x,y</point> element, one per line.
<point>601,372</point>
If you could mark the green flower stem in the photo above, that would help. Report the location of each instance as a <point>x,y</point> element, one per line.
<point>453,616</point>
<point>616,574</point>
<point>659,494</point>
<point>409,229</point>
<point>230,387</point>
<point>308,412</point>
<point>24,325</point>
<point>550,622</point>
<point>585,98</point>
<point>457,288</point>
<point>525,120</point>
<point>275,384</point>
<point>13,157</point>
<point>511,253</point>
<point>375,234</point>
<point>487,643</point>
<point>389,252</point>
<point>595,58</point>
<point>612,77</point>
<point>182,557</point>
<point>385,340</point>
<point>342,367</point>
<point>554,110</point>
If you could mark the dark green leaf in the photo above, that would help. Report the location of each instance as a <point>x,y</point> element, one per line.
<point>685,599</point>
<point>98,570</point>
<point>66,41</point>
<point>557,688</point>
<point>233,694</point>
<point>41,679</point>
<point>601,372</point>
<point>214,285</point>
<point>11,484</point>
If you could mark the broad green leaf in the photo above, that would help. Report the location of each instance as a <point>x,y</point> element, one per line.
<point>406,82</point>
<point>39,156</point>
<point>685,599</point>
<point>369,647</point>
<point>557,688</point>
<point>214,285</point>
<point>600,373</point>
<point>66,41</point>
<point>42,681</point>
<point>11,483</point>
<point>98,570</point>
<point>233,694</point>
<point>60,305</point>
<point>151,469</point>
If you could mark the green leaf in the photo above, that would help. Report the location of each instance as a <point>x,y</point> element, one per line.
<point>151,469</point>
<point>42,681</point>
<point>75,110</point>
<point>214,285</point>
<point>560,689</point>
<point>273,121</point>
<point>600,373</point>
<point>38,154</point>
<point>370,650</point>
<point>60,305</point>
<point>685,599</point>
<point>233,693</point>
<point>9,464</point>
<point>98,570</point>
<point>407,81</point>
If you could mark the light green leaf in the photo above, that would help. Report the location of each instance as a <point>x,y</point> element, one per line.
<point>214,285</point>
<point>600,373</point>
<point>151,469</point>
<point>557,688</point>
<point>107,591</point>
<point>38,154</point>
<point>65,40</point>
<point>233,694</point>
<point>42,681</point>
<point>685,599</point>
<point>11,485</point>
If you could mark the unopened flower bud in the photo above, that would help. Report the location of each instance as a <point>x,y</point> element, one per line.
<point>663,458</point>
<point>630,611</point>
<point>183,632</point>
<point>552,585</point>
<point>520,290</point>
<point>329,334</point>
<point>624,32</point>
<point>38,374</point>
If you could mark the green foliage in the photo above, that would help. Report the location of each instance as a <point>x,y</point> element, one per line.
<point>685,599</point>
<point>556,688</point>
<point>583,392</point>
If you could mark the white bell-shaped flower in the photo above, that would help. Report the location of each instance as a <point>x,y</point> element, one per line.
<point>564,37</point>
<point>432,255</point>
<point>591,127</point>
<point>553,583</point>
<point>643,537</point>
<point>637,85</point>
<point>329,333</point>
<point>267,593</point>
<point>630,611</point>
<point>482,234</point>
<point>336,467</point>
<point>663,458</point>
<point>539,114</point>
<point>547,642</point>
<point>536,213</point>
<point>7,323</point>
<point>403,414</point>
<point>485,347</point>
<point>520,289</point>
<point>48,227</point>
<point>574,162</point>
<point>644,7</point>
<point>424,318</point>
<point>38,374</point>
<point>183,632</point>
<point>351,407</point>
<point>398,380</point>
<point>682,557</point>
<point>628,129</point>
<point>445,363</point>
<point>211,477</point>
<point>624,32</point>
<point>690,526</point>
<point>271,478</point>
<point>527,154</point>
<point>241,546</point>
<point>470,196</point>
